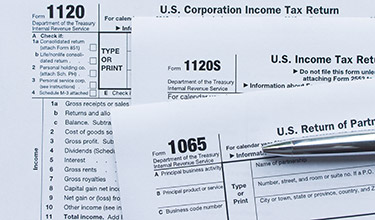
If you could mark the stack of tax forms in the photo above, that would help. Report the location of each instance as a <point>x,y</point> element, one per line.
<point>160,109</point>
<point>282,80</point>
<point>203,159</point>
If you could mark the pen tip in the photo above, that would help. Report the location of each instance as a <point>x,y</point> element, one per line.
<point>285,148</point>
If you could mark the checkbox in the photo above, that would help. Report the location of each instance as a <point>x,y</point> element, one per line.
<point>93,47</point>
<point>92,85</point>
<point>93,73</point>
<point>92,60</point>
<point>93,93</point>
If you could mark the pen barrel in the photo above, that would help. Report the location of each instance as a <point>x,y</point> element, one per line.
<point>349,144</point>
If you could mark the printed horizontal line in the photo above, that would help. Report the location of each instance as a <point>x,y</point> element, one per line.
<point>83,98</point>
<point>206,92</point>
<point>309,191</point>
<point>189,204</point>
<point>319,171</point>
<point>199,165</point>
<point>251,159</point>
<point>114,89</point>
<point>224,162</point>
<point>346,216</point>
<point>196,184</point>
<point>81,32</point>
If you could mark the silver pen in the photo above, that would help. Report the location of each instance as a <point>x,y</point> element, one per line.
<point>347,144</point>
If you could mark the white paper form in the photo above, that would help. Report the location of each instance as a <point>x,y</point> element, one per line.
<point>27,122</point>
<point>243,8</point>
<point>192,58</point>
<point>202,159</point>
<point>79,67</point>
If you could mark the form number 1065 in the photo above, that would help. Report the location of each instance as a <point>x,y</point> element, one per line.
<point>191,145</point>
